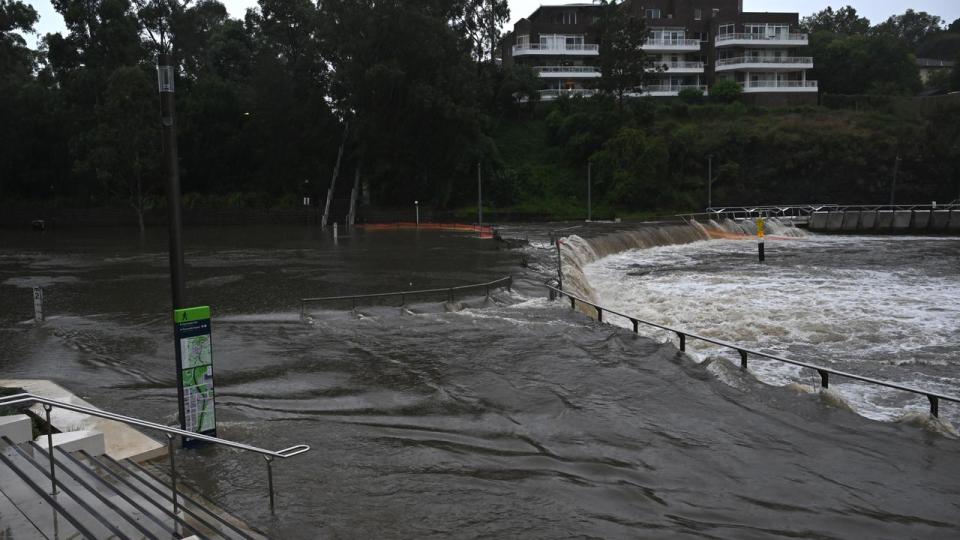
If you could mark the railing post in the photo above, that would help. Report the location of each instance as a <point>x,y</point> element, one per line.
<point>599,314</point>
<point>683,341</point>
<point>53,472</point>
<point>510,283</point>
<point>573,303</point>
<point>354,300</point>
<point>173,474</point>
<point>636,326</point>
<point>269,460</point>
<point>934,406</point>
<point>824,378</point>
<point>450,295</point>
<point>743,359</point>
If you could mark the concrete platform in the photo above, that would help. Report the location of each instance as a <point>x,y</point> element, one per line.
<point>940,220</point>
<point>851,220</point>
<point>17,428</point>
<point>74,441</point>
<point>818,221</point>
<point>954,220</point>
<point>921,220</point>
<point>835,221</point>
<point>902,219</point>
<point>884,220</point>
<point>120,440</point>
<point>868,221</point>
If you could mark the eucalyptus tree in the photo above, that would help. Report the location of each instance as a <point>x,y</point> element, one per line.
<point>623,63</point>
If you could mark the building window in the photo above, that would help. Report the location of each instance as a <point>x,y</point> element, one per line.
<point>653,13</point>
<point>523,40</point>
<point>697,14</point>
<point>716,12</point>
<point>727,29</point>
<point>570,17</point>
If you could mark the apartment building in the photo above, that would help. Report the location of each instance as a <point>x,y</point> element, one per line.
<point>691,44</point>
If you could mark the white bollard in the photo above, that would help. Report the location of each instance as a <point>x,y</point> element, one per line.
<point>38,304</point>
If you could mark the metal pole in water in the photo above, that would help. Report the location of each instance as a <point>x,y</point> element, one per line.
<point>710,181</point>
<point>38,304</point>
<point>480,197</point>
<point>559,266</point>
<point>760,235</point>
<point>893,186</point>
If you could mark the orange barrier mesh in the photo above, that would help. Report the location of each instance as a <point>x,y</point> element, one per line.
<point>485,231</point>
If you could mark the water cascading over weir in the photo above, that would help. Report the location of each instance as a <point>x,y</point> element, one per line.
<point>577,251</point>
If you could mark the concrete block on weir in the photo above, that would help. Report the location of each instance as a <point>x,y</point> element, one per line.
<point>954,220</point>
<point>884,220</point>
<point>921,220</point>
<point>818,221</point>
<point>89,441</point>
<point>940,220</point>
<point>902,219</point>
<point>851,220</point>
<point>17,428</point>
<point>835,221</point>
<point>868,221</point>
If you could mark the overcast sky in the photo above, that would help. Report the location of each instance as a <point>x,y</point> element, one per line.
<point>875,10</point>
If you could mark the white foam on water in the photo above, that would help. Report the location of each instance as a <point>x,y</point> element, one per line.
<point>852,303</point>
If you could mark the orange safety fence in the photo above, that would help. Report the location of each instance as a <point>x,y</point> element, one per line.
<point>485,231</point>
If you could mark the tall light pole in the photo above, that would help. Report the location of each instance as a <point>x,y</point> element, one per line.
<point>480,197</point>
<point>893,186</point>
<point>589,189</point>
<point>416,205</point>
<point>165,78</point>
<point>709,182</point>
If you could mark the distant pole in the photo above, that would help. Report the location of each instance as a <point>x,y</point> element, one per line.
<point>761,232</point>
<point>480,197</point>
<point>709,182</point>
<point>589,189</point>
<point>416,204</point>
<point>165,78</point>
<point>893,186</point>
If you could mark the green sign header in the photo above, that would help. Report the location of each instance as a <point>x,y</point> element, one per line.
<point>191,314</point>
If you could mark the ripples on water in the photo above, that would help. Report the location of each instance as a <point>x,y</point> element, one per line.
<point>506,417</point>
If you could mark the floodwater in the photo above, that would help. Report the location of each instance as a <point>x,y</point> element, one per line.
<point>504,417</point>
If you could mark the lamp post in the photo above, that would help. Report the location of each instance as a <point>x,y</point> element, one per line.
<point>589,189</point>
<point>416,205</point>
<point>480,197</point>
<point>165,79</point>
<point>709,182</point>
<point>893,186</point>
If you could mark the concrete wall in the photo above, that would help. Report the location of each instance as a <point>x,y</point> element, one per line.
<point>886,221</point>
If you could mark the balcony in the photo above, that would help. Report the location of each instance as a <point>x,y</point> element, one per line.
<point>569,49</point>
<point>567,72</point>
<point>762,40</point>
<point>552,94</point>
<point>677,68</point>
<point>669,90</point>
<point>754,87</point>
<point>764,63</point>
<point>671,45</point>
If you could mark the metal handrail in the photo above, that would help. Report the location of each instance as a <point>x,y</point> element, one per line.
<point>933,397</point>
<point>49,404</point>
<point>507,281</point>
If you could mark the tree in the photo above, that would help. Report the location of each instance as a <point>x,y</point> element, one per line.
<point>622,59</point>
<point>876,64</point>
<point>633,170</point>
<point>912,27</point>
<point>844,21</point>
<point>955,75</point>
<point>726,91</point>
<point>691,95</point>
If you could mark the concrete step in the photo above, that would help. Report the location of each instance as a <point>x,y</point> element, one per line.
<point>17,428</point>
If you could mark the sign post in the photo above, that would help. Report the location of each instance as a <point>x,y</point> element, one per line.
<point>38,304</point>
<point>760,234</point>
<point>195,371</point>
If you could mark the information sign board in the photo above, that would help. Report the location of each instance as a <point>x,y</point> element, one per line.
<point>195,370</point>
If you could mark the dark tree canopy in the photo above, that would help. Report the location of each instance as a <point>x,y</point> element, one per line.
<point>622,59</point>
<point>844,21</point>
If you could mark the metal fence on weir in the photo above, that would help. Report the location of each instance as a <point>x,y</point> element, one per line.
<point>825,373</point>
<point>448,294</point>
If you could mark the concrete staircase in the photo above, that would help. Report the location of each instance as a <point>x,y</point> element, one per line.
<point>99,497</point>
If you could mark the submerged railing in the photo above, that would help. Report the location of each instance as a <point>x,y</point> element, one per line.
<point>451,294</point>
<point>171,433</point>
<point>933,397</point>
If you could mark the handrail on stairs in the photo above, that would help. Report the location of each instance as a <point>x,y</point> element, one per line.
<point>171,433</point>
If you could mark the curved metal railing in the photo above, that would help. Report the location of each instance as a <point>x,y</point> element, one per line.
<point>933,397</point>
<point>451,293</point>
<point>171,433</point>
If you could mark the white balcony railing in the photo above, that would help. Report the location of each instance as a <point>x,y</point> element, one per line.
<point>670,90</point>
<point>547,95</point>
<point>561,48</point>
<point>567,71</point>
<point>765,62</point>
<point>795,40</point>
<point>780,86</point>
<point>682,67</point>
<point>671,44</point>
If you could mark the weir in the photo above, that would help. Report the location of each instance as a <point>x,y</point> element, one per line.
<point>879,219</point>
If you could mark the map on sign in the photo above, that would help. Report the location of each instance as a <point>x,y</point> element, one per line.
<point>195,370</point>
<point>197,356</point>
